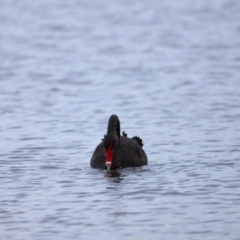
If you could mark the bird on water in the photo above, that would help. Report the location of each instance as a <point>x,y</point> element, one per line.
<point>117,151</point>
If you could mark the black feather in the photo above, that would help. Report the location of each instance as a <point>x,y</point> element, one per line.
<point>124,134</point>
<point>138,140</point>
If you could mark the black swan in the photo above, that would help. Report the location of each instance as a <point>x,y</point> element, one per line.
<point>117,151</point>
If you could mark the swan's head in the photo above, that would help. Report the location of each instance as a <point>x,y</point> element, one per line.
<point>110,142</point>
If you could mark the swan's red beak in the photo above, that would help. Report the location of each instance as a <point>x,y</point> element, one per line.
<point>109,157</point>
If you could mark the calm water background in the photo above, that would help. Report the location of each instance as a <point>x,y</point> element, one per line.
<point>169,69</point>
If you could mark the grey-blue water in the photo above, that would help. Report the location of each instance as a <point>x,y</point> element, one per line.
<point>169,69</point>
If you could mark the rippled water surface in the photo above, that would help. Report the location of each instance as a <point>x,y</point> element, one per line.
<point>169,69</point>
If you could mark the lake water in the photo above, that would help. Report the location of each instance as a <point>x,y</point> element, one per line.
<point>169,69</point>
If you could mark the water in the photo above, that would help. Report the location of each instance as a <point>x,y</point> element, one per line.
<point>168,69</point>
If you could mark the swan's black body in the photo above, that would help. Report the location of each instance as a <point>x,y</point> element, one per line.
<point>127,152</point>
